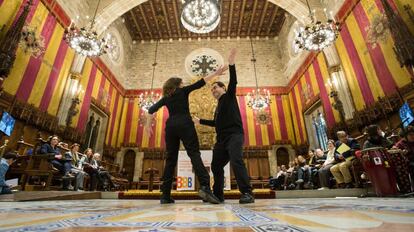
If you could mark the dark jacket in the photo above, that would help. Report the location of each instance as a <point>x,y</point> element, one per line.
<point>227,119</point>
<point>46,148</point>
<point>352,143</point>
<point>177,104</point>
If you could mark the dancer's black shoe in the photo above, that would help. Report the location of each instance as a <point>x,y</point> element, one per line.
<point>206,194</point>
<point>246,198</point>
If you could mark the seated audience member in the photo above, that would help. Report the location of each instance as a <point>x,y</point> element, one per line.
<point>60,163</point>
<point>5,162</point>
<point>324,170</point>
<point>87,163</point>
<point>123,173</point>
<point>278,181</point>
<point>301,163</point>
<point>313,166</point>
<point>376,138</point>
<point>290,176</point>
<point>311,153</point>
<point>73,156</point>
<point>406,143</point>
<point>344,161</point>
<point>103,176</point>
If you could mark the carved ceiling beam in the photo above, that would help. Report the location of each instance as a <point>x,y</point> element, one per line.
<point>259,29</point>
<point>167,21</point>
<point>272,20</point>
<point>155,19</point>
<point>241,17</point>
<point>145,19</point>
<point>230,18</point>
<point>252,17</point>
<point>177,20</point>
<point>136,24</point>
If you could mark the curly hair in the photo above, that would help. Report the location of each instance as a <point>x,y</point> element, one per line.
<point>170,86</point>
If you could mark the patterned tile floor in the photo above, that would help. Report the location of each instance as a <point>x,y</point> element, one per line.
<point>369,214</point>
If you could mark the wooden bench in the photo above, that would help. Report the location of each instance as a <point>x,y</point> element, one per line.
<point>16,170</point>
<point>38,173</point>
<point>119,182</point>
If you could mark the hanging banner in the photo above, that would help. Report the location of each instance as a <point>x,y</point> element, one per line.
<point>186,176</point>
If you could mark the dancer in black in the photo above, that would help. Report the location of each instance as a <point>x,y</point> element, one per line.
<point>230,138</point>
<point>180,126</point>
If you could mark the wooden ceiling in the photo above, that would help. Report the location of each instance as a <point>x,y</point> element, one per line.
<point>160,19</point>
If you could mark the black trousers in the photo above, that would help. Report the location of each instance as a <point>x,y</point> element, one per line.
<point>186,133</point>
<point>230,149</point>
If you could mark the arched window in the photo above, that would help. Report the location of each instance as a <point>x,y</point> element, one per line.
<point>320,128</point>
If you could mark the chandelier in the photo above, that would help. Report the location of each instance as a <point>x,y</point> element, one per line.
<point>200,16</point>
<point>85,40</point>
<point>317,35</point>
<point>147,99</point>
<point>257,99</point>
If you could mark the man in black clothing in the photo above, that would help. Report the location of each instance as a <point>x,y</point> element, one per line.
<point>230,138</point>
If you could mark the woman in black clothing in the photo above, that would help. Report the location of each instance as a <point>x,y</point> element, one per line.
<point>180,126</point>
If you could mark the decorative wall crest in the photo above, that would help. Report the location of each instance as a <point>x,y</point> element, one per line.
<point>31,43</point>
<point>263,117</point>
<point>378,31</point>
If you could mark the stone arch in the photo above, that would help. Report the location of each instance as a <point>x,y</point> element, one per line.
<point>117,8</point>
<point>129,163</point>
<point>282,156</point>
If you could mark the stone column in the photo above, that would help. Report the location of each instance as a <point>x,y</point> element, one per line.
<point>272,161</point>
<point>139,161</point>
<point>72,88</point>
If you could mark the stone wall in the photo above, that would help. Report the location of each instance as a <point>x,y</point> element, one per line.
<point>172,55</point>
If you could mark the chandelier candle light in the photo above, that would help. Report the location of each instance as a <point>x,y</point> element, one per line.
<point>85,41</point>
<point>317,35</point>
<point>258,99</point>
<point>200,16</point>
<point>147,99</point>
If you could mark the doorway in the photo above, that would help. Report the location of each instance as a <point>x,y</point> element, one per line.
<point>129,164</point>
<point>282,157</point>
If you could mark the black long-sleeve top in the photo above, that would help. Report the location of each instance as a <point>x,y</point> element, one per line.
<point>227,119</point>
<point>177,103</point>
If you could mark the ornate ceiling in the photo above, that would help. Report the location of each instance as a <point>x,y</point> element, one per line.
<point>160,19</point>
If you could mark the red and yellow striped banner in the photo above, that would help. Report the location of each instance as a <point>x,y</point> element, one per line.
<point>41,80</point>
<point>278,129</point>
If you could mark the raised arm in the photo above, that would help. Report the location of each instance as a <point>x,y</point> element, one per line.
<point>154,108</point>
<point>231,89</point>
<point>217,73</point>
<point>196,85</point>
<point>200,83</point>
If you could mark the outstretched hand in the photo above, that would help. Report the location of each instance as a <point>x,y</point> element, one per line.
<point>232,56</point>
<point>218,72</point>
<point>196,120</point>
<point>147,127</point>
